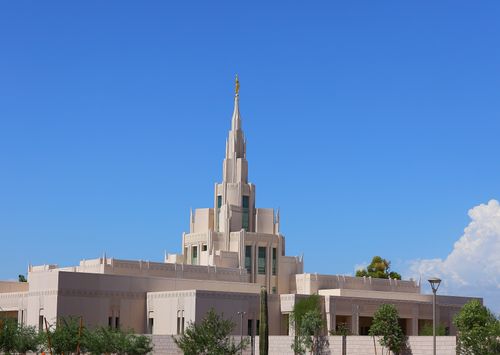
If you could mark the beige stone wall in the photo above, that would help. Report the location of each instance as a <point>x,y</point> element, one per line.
<point>356,345</point>
<point>312,283</point>
<point>193,305</point>
<point>100,296</point>
<point>13,286</point>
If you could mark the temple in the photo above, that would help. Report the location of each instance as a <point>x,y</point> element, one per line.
<point>231,250</point>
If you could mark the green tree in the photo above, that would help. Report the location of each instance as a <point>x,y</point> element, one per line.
<point>21,278</point>
<point>478,330</point>
<point>64,336</point>
<point>263,324</point>
<point>210,336</point>
<point>308,323</point>
<point>385,325</point>
<point>379,268</point>
<point>100,340</point>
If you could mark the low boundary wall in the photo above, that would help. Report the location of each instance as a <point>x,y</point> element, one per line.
<point>356,345</point>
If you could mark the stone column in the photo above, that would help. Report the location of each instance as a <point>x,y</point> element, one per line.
<point>414,321</point>
<point>355,320</point>
<point>333,312</point>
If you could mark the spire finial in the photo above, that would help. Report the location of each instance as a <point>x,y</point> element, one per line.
<point>237,85</point>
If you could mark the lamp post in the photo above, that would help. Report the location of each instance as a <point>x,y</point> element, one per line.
<point>435,282</point>
<point>241,314</point>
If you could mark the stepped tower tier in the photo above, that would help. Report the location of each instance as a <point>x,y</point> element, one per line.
<point>234,233</point>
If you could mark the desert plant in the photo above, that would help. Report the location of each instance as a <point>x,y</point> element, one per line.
<point>263,324</point>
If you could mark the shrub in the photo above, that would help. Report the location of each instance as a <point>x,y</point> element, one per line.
<point>210,336</point>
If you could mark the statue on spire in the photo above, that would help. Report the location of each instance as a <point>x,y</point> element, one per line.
<point>237,85</point>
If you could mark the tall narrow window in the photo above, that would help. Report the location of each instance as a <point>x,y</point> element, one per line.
<point>250,327</point>
<point>274,261</point>
<point>40,323</point>
<point>194,255</point>
<point>262,261</point>
<point>219,205</point>
<point>245,204</point>
<point>151,322</point>
<point>117,322</point>
<point>248,258</point>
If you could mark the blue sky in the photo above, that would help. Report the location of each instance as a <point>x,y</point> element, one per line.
<point>373,126</point>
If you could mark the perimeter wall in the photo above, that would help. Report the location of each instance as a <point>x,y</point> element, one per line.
<point>356,345</point>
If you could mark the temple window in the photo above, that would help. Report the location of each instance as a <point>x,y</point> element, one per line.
<point>262,261</point>
<point>245,204</point>
<point>274,261</point>
<point>248,258</point>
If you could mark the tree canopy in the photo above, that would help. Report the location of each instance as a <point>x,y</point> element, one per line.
<point>379,268</point>
<point>386,326</point>
<point>18,338</point>
<point>308,323</point>
<point>478,330</point>
<point>210,336</point>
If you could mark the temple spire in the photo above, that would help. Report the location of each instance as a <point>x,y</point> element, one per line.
<point>236,121</point>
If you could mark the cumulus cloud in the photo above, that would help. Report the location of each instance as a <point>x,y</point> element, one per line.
<point>473,266</point>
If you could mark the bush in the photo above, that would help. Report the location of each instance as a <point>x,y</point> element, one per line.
<point>8,335</point>
<point>18,338</point>
<point>427,329</point>
<point>210,336</point>
<point>104,340</point>
<point>342,329</point>
<point>64,336</point>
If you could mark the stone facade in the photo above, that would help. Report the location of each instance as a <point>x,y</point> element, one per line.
<point>231,250</point>
<point>355,345</point>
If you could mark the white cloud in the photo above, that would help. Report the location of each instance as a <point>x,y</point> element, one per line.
<point>473,266</point>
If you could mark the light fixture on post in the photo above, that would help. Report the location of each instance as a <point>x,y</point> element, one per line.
<point>241,314</point>
<point>435,282</point>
